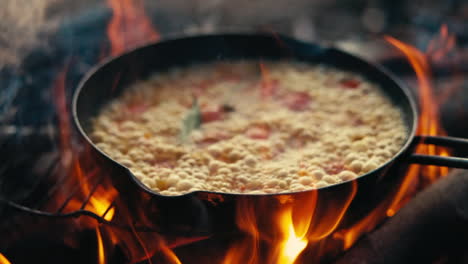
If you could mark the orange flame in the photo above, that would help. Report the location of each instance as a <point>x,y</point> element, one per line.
<point>170,256</point>
<point>101,199</point>
<point>79,189</point>
<point>77,192</point>
<point>440,46</point>
<point>429,119</point>
<point>129,27</point>
<point>367,224</point>
<point>100,245</point>
<point>4,260</point>
<point>87,184</point>
<point>295,241</point>
<point>276,229</point>
<point>97,200</point>
<point>429,124</point>
<point>279,229</point>
<point>245,251</point>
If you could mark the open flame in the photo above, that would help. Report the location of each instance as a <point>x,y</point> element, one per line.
<point>429,119</point>
<point>441,45</point>
<point>281,229</point>
<point>96,200</point>
<point>101,253</point>
<point>297,236</point>
<point>429,124</point>
<point>4,260</point>
<point>294,241</point>
<point>88,185</point>
<point>129,26</point>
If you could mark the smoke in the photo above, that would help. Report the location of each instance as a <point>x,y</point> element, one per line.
<point>24,24</point>
<point>21,25</point>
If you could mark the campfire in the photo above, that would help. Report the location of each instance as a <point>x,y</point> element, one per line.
<point>78,204</point>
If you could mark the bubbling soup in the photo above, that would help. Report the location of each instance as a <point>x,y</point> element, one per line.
<point>250,128</point>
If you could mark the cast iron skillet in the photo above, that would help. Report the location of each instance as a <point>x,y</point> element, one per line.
<point>107,81</point>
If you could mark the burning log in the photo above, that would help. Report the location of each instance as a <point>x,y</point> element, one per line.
<point>434,223</point>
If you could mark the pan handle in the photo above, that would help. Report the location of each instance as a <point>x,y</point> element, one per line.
<point>451,142</point>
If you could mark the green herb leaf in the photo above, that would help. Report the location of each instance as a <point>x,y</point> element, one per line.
<point>191,121</point>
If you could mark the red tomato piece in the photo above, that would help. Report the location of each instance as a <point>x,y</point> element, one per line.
<point>269,87</point>
<point>210,116</point>
<point>258,132</point>
<point>358,122</point>
<point>297,101</point>
<point>136,108</point>
<point>350,83</point>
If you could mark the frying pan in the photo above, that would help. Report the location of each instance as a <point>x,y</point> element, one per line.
<point>110,78</point>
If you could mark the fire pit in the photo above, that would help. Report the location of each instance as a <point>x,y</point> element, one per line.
<point>55,193</point>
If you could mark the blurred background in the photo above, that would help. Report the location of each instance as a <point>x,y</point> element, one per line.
<point>27,24</point>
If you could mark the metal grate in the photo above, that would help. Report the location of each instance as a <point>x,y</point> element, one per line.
<point>32,178</point>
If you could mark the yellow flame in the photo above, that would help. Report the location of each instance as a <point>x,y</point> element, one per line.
<point>294,244</point>
<point>4,260</point>
<point>102,197</point>
<point>101,206</point>
<point>100,245</point>
<point>429,122</point>
<point>172,257</point>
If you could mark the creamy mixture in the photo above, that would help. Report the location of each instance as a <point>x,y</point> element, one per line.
<point>250,127</point>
